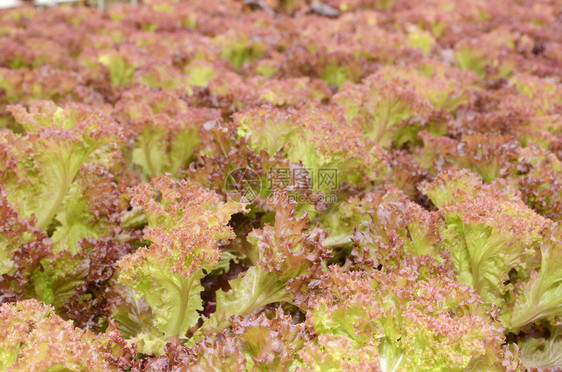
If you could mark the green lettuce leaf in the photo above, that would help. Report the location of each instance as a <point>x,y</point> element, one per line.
<point>185,226</point>
<point>488,232</point>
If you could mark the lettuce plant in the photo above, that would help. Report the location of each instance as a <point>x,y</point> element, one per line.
<point>489,233</point>
<point>35,338</point>
<point>384,112</point>
<point>280,254</point>
<point>185,226</point>
<point>399,160</point>
<point>317,138</point>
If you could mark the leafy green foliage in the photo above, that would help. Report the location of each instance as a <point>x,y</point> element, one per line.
<point>404,163</point>
<point>489,233</point>
<point>185,226</point>
<point>35,338</point>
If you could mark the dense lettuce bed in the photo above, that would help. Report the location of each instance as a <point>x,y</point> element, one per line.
<point>282,186</point>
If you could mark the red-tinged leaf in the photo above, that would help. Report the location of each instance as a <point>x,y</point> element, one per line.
<point>37,339</point>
